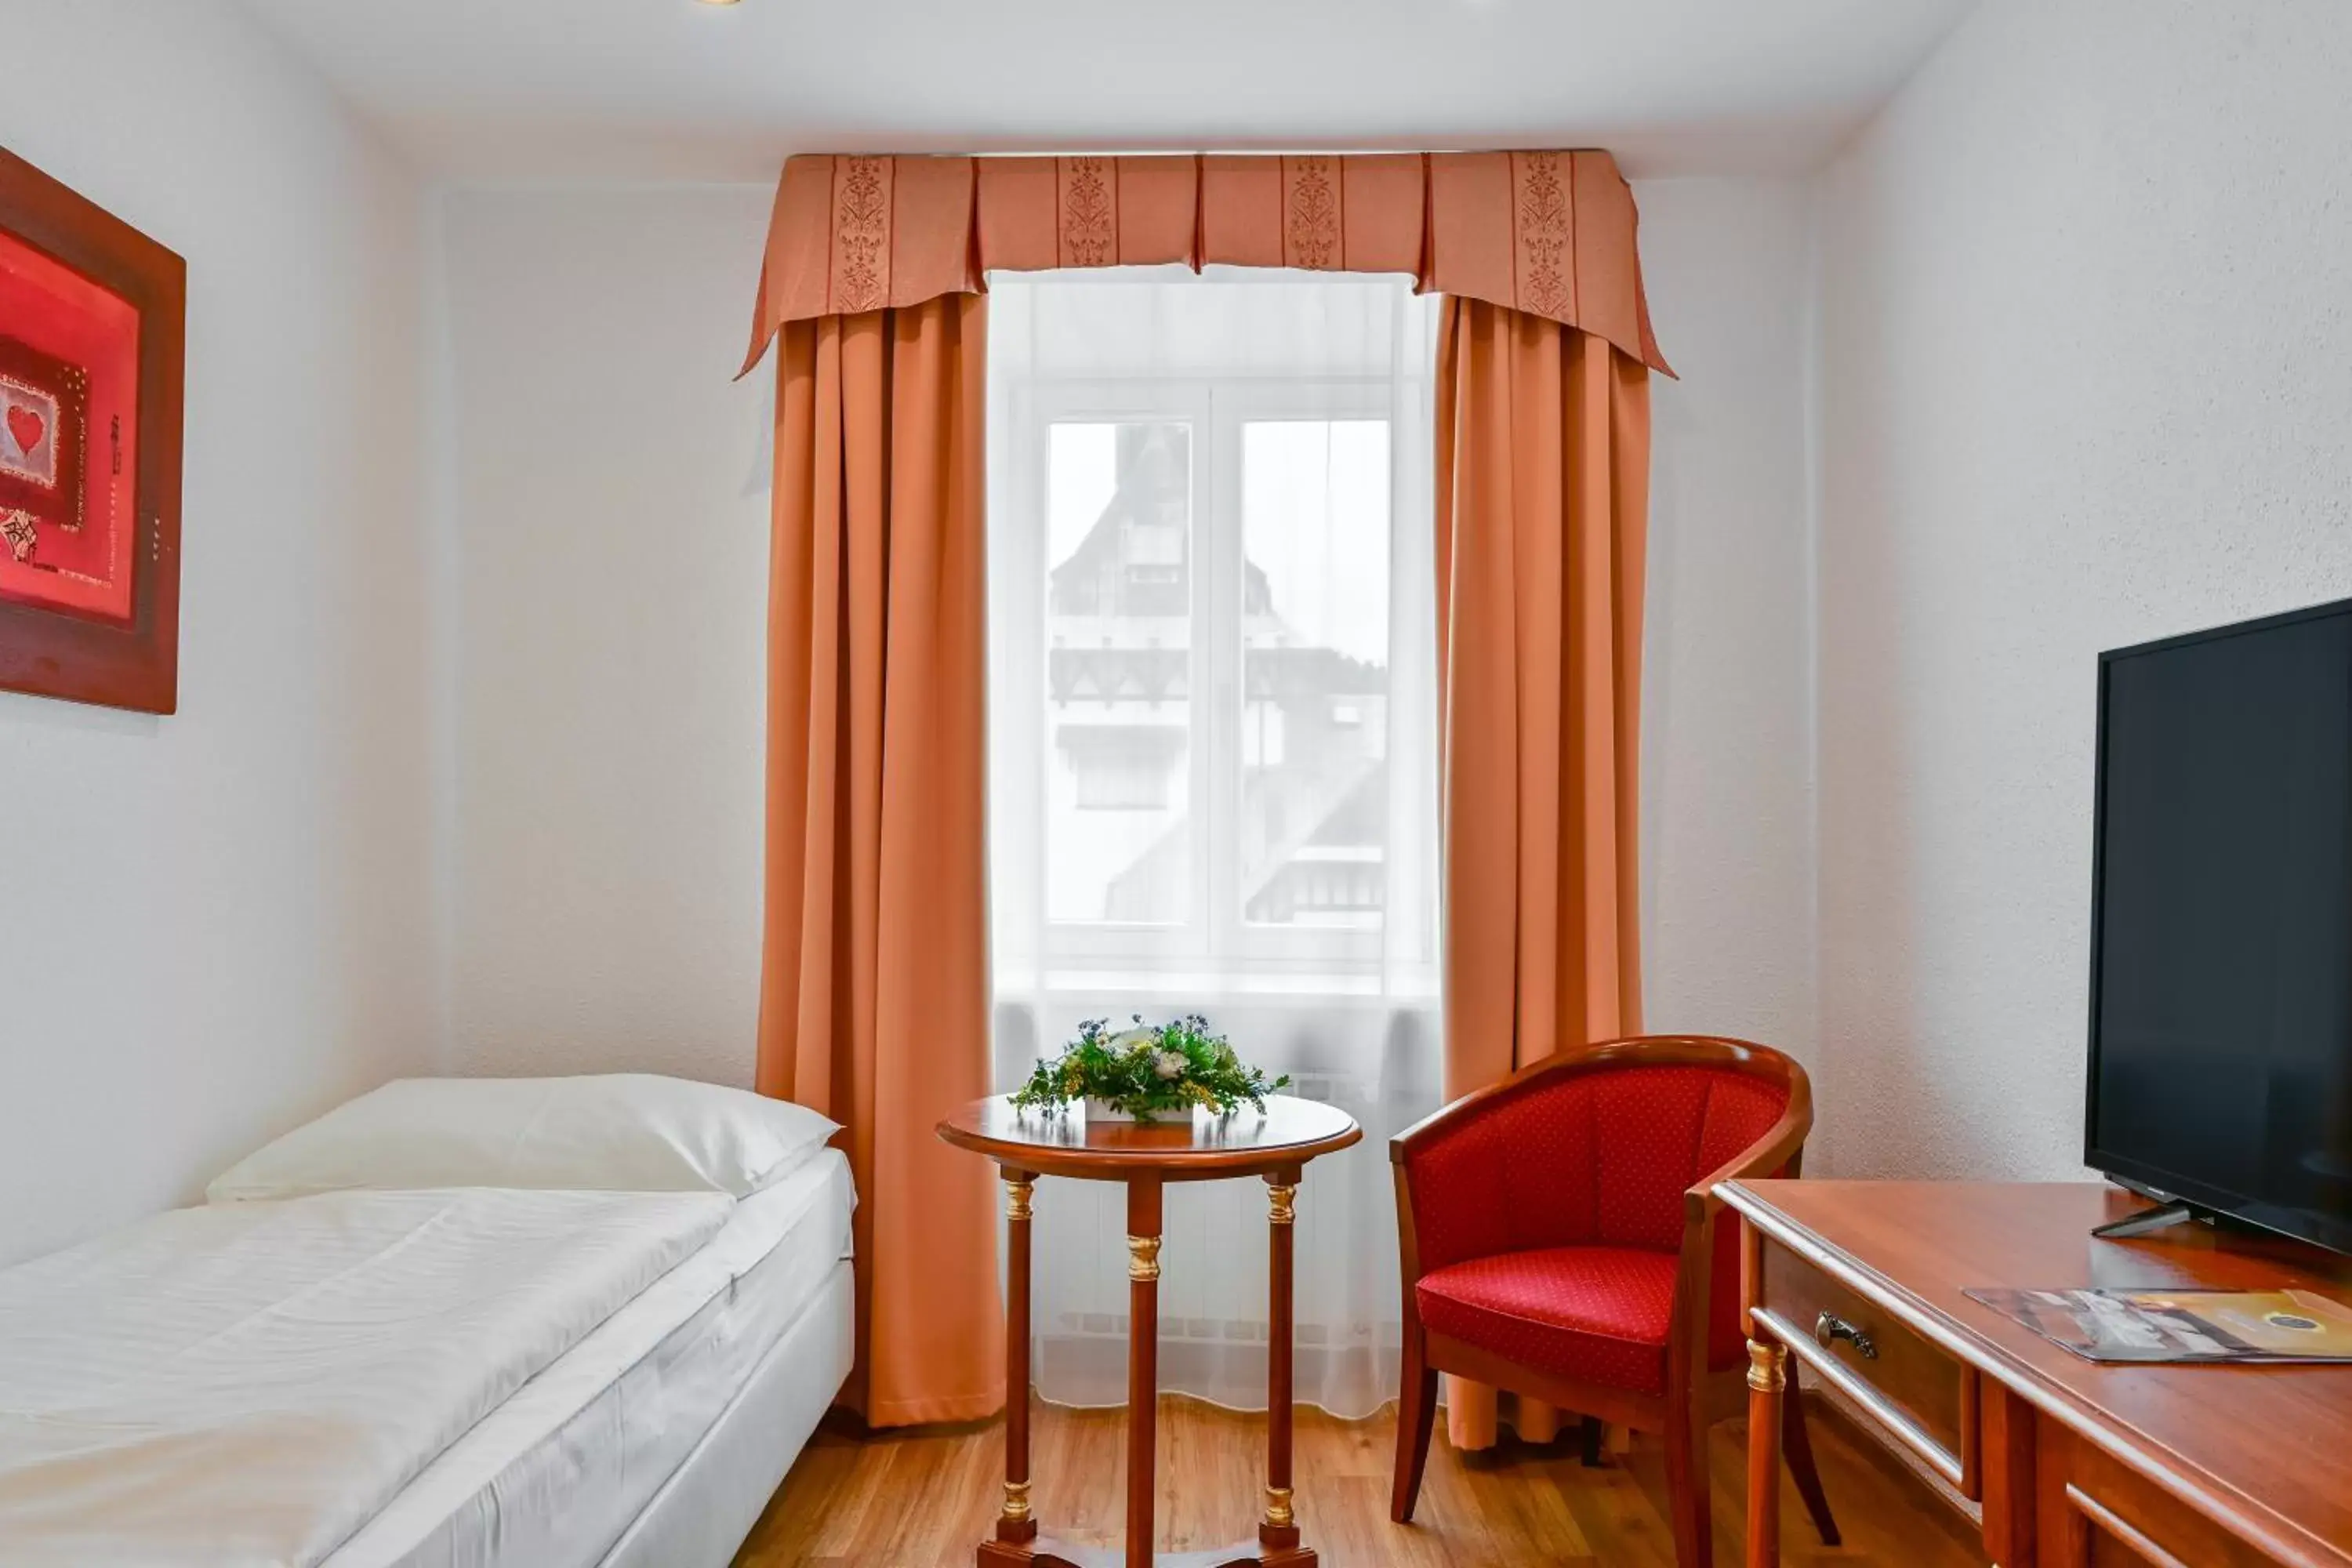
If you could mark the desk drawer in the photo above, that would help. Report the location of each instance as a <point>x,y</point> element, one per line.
<point>2097,1513</point>
<point>1921,1397</point>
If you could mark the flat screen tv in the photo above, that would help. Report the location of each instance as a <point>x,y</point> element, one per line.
<point>2221,1070</point>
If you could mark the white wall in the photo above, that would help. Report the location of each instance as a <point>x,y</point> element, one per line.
<point>609,773</point>
<point>2086,379</point>
<point>1727,776</point>
<point>214,925</point>
<point>611,589</point>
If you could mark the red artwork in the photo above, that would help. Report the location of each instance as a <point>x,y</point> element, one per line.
<point>91,315</point>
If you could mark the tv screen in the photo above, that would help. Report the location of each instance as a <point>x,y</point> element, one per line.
<point>2221,922</point>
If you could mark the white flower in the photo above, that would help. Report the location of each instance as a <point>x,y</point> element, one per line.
<point>1169,1064</point>
<point>1127,1040</point>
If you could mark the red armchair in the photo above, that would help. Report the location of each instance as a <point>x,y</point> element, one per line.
<point>1561,1239</point>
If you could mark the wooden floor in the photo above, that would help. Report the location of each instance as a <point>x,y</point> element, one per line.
<point>924,1498</point>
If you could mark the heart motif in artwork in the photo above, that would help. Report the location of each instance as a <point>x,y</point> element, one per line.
<point>25,429</point>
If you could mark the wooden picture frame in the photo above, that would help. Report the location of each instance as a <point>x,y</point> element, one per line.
<point>93,326</point>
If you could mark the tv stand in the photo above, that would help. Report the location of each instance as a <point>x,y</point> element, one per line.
<point>2164,1216</point>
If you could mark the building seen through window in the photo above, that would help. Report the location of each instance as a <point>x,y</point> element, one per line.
<point>1302,724</point>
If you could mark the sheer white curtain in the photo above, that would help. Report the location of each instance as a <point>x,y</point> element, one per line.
<point>1213,769</point>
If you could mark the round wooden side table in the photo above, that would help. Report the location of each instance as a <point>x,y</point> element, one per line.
<point>1146,1156</point>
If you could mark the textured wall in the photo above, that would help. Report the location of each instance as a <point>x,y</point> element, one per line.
<point>2086,379</point>
<point>215,925</point>
<point>1727,784</point>
<point>611,560</point>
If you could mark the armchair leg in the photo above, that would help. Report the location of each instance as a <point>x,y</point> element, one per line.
<point>1798,1447</point>
<point>1416,1411</point>
<point>1687,1486</point>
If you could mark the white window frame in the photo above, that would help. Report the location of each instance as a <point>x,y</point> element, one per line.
<point>1216,407</point>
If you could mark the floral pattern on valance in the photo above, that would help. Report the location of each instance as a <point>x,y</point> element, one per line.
<point>1552,234</point>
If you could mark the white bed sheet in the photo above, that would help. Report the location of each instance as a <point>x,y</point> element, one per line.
<point>556,1474</point>
<point>248,1383</point>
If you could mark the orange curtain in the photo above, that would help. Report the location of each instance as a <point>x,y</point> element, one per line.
<point>1543,464</point>
<point>1553,233</point>
<point>874,988</point>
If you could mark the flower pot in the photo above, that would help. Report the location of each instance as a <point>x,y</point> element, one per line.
<point>1103,1110</point>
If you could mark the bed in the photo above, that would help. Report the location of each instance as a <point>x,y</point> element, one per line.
<point>341,1370</point>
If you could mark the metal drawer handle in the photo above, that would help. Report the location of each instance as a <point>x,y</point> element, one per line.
<point>1829,1328</point>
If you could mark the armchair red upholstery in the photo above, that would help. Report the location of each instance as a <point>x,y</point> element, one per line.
<point>1599,1313</point>
<point>1591,1162</point>
<point>1560,1239</point>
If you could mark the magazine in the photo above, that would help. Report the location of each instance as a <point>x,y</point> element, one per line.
<point>2183,1325</point>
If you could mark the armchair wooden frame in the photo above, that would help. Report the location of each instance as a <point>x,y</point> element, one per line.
<point>1697,1395</point>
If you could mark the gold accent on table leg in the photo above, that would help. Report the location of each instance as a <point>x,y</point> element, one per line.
<point>1016,1502</point>
<point>1278,1515</point>
<point>1143,1258</point>
<point>1766,1366</point>
<point>1017,1196</point>
<point>1282,1204</point>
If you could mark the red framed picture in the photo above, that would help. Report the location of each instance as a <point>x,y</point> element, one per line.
<point>93,350</point>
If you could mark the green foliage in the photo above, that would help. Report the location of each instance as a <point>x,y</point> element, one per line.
<point>1148,1072</point>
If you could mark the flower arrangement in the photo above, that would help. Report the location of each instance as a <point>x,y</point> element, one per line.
<point>1144,1072</point>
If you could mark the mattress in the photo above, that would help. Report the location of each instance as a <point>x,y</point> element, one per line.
<point>555,1475</point>
<point>704,1512</point>
<point>252,1382</point>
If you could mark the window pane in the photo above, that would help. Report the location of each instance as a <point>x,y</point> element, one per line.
<point>1118,614</point>
<point>1315,682</point>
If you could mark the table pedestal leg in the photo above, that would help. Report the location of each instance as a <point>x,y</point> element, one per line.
<point>1279,1530</point>
<point>1016,1523</point>
<point>1142,1366</point>
<point>1015,1542</point>
<point>1767,1377</point>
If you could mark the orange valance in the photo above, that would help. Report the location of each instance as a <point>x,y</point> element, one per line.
<point>1551,234</point>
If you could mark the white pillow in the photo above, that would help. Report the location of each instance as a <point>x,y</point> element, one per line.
<point>630,1133</point>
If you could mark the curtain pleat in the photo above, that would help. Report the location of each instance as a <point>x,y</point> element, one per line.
<point>873,985</point>
<point>1543,435</point>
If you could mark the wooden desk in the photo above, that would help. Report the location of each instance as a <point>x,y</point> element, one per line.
<point>2074,1465</point>
<point>1146,1156</point>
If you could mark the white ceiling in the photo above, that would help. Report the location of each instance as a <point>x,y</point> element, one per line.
<point>498,90</point>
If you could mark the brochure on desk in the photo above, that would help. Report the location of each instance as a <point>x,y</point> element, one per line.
<point>2227,1326</point>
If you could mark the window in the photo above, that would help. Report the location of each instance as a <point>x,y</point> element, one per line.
<point>1119,711</point>
<point>1211,721</point>
<point>1195,544</point>
<point>1311,831</point>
